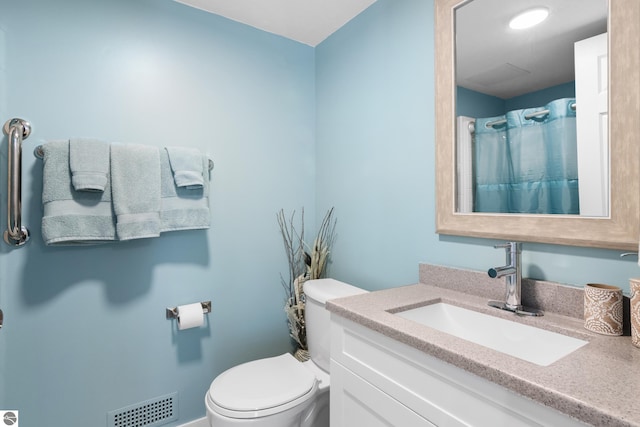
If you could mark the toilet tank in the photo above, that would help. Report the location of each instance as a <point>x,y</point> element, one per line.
<point>317,293</point>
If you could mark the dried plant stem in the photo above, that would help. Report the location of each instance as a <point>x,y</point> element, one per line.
<point>321,245</point>
<point>302,267</point>
<point>294,305</point>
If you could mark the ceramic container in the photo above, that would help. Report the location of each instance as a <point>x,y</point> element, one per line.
<point>603,309</point>
<point>634,285</point>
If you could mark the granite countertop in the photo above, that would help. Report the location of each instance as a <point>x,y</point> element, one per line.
<point>598,384</point>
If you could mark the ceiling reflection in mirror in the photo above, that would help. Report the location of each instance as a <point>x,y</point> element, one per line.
<point>532,108</point>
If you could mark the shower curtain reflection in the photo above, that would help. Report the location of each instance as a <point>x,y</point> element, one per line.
<point>526,161</point>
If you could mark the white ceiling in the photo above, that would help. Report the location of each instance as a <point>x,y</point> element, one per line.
<point>491,58</point>
<point>305,21</point>
<point>495,60</point>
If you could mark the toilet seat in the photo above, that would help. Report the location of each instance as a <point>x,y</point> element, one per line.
<point>262,387</point>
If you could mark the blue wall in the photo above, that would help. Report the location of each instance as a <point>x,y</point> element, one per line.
<point>85,329</point>
<point>541,97</point>
<point>475,104</point>
<point>375,157</point>
<point>470,103</point>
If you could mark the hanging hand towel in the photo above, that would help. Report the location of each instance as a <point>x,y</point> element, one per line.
<point>89,163</point>
<point>71,217</point>
<point>186,164</point>
<point>183,209</point>
<point>135,186</point>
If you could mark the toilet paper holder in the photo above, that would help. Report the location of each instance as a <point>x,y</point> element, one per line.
<point>172,312</point>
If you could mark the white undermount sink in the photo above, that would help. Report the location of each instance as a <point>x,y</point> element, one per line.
<point>526,342</point>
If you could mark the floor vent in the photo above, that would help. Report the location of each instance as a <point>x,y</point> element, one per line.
<point>150,413</point>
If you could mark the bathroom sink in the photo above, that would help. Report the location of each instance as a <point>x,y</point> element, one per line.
<point>526,342</point>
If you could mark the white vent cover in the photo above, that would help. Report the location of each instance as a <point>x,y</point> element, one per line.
<point>150,413</point>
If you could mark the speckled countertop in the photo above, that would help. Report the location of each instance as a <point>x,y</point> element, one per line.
<point>598,384</point>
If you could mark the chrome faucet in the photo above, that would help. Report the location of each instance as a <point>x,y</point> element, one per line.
<point>512,272</point>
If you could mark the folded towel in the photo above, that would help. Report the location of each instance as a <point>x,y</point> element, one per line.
<point>183,209</point>
<point>89,163</point>
<point>186,164</point>
<point>71,217</point>
<point>135,188</point>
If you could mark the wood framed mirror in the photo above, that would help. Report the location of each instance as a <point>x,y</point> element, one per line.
<point>619,230</point>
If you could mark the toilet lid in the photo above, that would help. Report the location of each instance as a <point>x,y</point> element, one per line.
<point>261,385</point>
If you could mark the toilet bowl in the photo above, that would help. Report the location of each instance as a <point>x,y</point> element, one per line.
<point>281,391</point>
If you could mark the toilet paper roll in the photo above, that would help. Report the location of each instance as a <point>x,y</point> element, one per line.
<point>190,316</point>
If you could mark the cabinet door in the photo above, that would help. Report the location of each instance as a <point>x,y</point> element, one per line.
<point>355,402</point>
<point>427,387</point>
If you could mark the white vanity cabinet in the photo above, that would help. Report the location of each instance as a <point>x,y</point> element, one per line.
<point>378,381</point>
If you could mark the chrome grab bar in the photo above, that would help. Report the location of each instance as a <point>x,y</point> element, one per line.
<point>17,130</point>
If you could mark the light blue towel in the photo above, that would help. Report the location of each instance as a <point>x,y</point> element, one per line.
<point>89,163</point>
<point>71,217</point>
<point>186,164</point>
<point>135,188</point>
<point>183,209</point>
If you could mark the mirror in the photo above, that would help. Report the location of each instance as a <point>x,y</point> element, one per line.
<point>620,228</point>
<point>521,145</point>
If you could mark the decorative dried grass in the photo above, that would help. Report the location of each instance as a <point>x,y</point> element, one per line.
<point>303,266</point>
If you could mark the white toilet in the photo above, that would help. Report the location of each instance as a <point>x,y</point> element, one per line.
<point>281,391</point>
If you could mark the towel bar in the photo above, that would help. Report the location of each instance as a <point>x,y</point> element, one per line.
<point>172,312</point>
<point>17,130</point>
<point>39,153</point>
